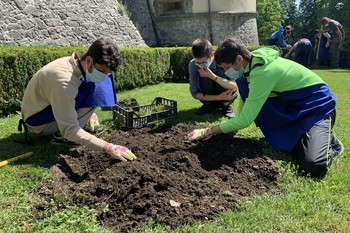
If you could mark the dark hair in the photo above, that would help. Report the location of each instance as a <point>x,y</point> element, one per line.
<point>104,51</point>
<point>201,48</point>
<point>289,27</point>
<point>228,50</point>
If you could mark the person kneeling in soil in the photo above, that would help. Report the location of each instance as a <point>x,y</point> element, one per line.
<point>208,82</point>
<point>62,96</point>
<point>291,105</point>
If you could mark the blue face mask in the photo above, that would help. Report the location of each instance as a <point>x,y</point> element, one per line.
<point>207,63</point>
<point>233,74</point>
<point>95,76</point>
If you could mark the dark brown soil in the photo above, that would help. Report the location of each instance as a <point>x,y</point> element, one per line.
<point>173,182</point>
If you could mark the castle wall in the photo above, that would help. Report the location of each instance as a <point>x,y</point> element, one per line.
<point>66,23</point>
<point>131,23</point>
<point>182,30</point>
<point>179,22</point>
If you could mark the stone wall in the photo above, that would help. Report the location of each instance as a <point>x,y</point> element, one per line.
<point>131,23</point>
<point>140,14</point>
<point>66,23</point>
<point>183,29</point>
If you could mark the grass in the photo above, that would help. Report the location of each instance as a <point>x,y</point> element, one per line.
<point>303,205</point>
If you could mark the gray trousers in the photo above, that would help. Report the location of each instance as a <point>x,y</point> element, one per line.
<point>316,148</point>
<point>84,115</point>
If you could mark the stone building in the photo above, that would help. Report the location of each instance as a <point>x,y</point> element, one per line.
<point>181,21</point>
<point>131,23</point>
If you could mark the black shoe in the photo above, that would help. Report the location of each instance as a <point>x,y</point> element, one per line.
<point>205,109</point>
<point>227,111</point>
<point>57,139</point>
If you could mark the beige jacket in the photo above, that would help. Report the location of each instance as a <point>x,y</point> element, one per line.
<point>57,84</point>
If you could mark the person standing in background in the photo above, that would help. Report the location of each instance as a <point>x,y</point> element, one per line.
<point>338,36</point>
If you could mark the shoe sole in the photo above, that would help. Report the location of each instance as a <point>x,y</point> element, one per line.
<point>342,148</point>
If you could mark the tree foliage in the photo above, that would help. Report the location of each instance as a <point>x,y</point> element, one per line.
<point>308,21</point>
<point>269,18</point>
<point>291,17</point>
<point>304,20</point>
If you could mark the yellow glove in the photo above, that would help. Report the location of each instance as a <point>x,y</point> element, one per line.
<point>119,152</point>
<point>199,135</point>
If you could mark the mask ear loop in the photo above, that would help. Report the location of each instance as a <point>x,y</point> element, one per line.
<point>82,70</point>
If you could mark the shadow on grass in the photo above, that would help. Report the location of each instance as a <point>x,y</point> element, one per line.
<point>190,117</point>
<point>44,153</point>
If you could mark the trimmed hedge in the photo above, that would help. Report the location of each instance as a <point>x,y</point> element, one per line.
<point>140,67</point>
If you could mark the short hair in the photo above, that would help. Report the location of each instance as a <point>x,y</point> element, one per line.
<point>325,20</point>
<point>289,27</point>
<point>104,51</point>
<point>201,48</point>
<point>228,50</point>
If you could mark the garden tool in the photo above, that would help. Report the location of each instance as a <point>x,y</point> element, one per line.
<point>8,161</point>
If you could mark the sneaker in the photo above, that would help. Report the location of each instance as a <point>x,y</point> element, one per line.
<point>227,111</point>
<point>338,146</point>
<point>57,139</point>
<point>205,109</point>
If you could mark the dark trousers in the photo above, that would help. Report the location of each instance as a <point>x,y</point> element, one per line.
<point>303,54</point>
<point>209,87</point>
<point>315,150</point>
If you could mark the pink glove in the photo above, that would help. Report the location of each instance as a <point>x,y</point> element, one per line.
<point>93,122</point>
<point>119,152</point>
<point>199,135</point>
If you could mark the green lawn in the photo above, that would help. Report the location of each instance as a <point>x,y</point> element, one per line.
<point>304,204</point>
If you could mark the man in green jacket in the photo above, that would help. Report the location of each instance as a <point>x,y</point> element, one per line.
<point>291,105</point>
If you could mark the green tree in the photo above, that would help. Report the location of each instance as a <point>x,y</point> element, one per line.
<point>308,21</point>
<point>270,16</point>
<point>291,17</point>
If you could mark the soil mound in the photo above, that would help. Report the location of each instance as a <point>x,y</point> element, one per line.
<point>173,182</point>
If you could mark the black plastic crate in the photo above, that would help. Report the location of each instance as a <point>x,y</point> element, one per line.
<point>139,116</point>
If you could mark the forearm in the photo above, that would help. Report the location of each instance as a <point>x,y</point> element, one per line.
<point>215,130</point>
<point>203,97</point>
<point>225,83</point>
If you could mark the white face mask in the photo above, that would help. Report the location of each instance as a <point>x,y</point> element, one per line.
<point>233,74</point>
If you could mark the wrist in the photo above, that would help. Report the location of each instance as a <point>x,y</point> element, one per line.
<point>108,147</point>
